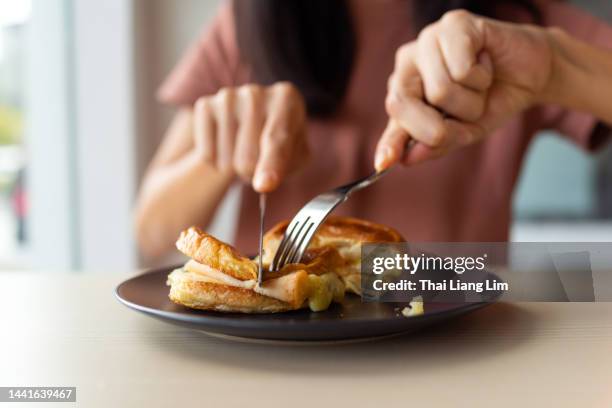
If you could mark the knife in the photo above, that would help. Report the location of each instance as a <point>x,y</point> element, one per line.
<point>262,213</point>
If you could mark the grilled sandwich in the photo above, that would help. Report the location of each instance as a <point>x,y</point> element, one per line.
<point>218,278</point>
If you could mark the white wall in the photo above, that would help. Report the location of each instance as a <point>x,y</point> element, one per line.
<point>105,128</point>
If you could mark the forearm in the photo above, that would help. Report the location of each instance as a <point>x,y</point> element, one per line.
<point>581,78</point>
<point>175,196</point>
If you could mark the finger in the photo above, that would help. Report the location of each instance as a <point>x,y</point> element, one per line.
<point>485,62</point>
<point>250,107</point>
<point>440,89</point>
<point>226,127</point>
<point>204,129</point>
<point>391,146</point>
<point>421,121</point>
<point>280,132</point>
<point>461,134</point>
<point>404,102</point>
<point>406,78</point>
<point>461,43</point>
<point>421,153</point>
<point>463,63</point>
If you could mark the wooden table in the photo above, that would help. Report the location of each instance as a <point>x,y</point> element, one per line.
<point>67,329</point>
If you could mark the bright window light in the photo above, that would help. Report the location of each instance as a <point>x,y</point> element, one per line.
<point>14,12</point>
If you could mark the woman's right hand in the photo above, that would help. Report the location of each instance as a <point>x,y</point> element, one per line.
<point>257,132</point>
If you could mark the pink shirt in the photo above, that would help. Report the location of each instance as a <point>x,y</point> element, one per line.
<point>465,196</point>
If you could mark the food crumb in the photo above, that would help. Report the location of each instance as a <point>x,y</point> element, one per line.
<point>414,308</point>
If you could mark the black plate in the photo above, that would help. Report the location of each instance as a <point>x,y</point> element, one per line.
<point>350,320</point>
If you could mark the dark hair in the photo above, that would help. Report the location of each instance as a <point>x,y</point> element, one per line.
<point>311,43</point>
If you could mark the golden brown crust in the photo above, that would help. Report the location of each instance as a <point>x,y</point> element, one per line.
<point>345,234</point>
<point>317,261</point>
<point>336,248</point>
<point>208,250</point>
<point>342,234</point>
<point>343,228</point>
<point>223,298</point>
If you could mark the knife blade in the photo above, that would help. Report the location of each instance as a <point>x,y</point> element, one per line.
<point>262,214</point>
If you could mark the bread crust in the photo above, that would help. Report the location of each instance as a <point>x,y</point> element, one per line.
<point>316,261</point>
<point>208,250</point>
<point>221,298</point>
<point>339,229</point>
<point>336,248</point>
<point>345,234</point>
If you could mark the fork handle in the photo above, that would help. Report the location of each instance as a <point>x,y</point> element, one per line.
<point>350,188</point>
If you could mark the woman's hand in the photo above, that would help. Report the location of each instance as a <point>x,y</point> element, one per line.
<point>462,78</point>
<point>254,131</point>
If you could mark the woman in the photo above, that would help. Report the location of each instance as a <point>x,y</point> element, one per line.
<point>297,97</point>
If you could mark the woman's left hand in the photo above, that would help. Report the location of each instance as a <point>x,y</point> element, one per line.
<point>463,77</point>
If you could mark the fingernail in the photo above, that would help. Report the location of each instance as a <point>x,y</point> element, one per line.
<point>382,157</point>
<point>264,181</point>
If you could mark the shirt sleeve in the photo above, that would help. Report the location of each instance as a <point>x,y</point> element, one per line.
<point>210,63</point>
<point>582,128</point>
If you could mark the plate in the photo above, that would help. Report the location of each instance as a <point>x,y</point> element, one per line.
<point>350,321</point>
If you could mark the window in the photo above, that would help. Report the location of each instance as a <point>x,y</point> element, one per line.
<point>66,172</point>
<point>14,17</point>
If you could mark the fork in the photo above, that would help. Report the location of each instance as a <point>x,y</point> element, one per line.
<point>303,226</point>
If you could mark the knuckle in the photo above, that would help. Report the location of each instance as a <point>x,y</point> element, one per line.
<point>392,104</point>
<point>201,104</point>
<point>391,82</point>
<point>224,95</point>
<point>288,95</point>
<point>251,91</point>
<point>439,93</point>
<point>558,32</point>
<point>249,101</point>
<point>455,16</point>
<point>403,53</point>
<point>461,72</point>
<point>439,135</point>
<point>427,33</point>
<point>285,89</point>
<point>274,139</point>
<point>464,40</point>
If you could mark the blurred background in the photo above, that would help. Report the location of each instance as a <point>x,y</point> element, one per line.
<point>79,122</point>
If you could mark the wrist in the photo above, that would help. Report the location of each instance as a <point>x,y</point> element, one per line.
<point>581,76</point>
<point>563,74</point>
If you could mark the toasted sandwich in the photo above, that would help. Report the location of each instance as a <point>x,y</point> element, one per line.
<point>218,278</point>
